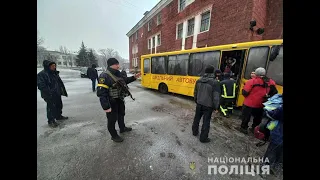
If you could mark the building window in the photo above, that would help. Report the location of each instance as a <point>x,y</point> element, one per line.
<point>136,35</point>
<point>137,63</point>
<point>205,21</point>
<point>182,5</point>
<point>131,38</point>
<point>190,27</point>
<point>179,31</point>
<point>159,39</point>
<point>159,19</point>
<point>149,43</point>
<point>149,25</point>
<point>153,41</point>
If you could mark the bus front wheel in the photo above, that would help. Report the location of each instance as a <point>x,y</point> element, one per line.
<point>163,88</point>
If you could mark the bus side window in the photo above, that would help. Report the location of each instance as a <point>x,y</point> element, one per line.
<point>199,61</point>
<point>146,66</point>
<point>178,64</point>
<point>257,58</point>
<point>275,68</point>
<point>158,65</point>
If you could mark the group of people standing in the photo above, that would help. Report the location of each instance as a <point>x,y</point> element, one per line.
<point>214,91</point>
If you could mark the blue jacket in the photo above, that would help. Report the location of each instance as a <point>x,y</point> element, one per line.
<point>276,134</point>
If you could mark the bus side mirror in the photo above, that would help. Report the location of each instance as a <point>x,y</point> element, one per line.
<point>274,52</point>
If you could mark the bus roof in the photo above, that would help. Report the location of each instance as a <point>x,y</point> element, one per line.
<point>234,46</point>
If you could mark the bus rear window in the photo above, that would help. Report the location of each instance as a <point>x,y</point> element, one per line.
<point>178,64</point>
<point>257,58</point>
<point>275,68</point>
<point>158,65</point>
<point>199,61</point>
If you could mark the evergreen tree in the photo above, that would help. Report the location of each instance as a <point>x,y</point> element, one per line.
<point>82,57</point>
<point>92,58</point>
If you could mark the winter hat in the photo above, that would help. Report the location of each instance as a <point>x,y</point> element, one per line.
<point>260,71</point>
<point>227,75</point>
<point>112,61</point>
<point>217,71</point>
<point>209,69</point>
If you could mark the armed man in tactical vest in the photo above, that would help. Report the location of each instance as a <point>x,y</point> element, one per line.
<point>228,94</point>
<point>112,89</point>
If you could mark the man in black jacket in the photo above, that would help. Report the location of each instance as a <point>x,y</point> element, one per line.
<point>112,96</point>
<point>51,88</point>
<point>206,95</point>
<point>92,74</point>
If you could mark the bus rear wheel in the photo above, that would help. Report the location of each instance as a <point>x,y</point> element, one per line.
<point>163,88</point>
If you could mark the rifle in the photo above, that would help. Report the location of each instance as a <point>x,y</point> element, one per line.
<point>120,84</point>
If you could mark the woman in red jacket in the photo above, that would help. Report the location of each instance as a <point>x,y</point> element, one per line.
<point>256,91</point>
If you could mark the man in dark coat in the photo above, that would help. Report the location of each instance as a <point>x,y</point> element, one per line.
<point>52,88</point>
<point>207,96</point>
<point>92,74</point>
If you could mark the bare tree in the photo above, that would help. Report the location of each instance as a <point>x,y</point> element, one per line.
<point>66,52</point>
<point>41,51</point>
<point>40,40</point>
<point>106,54</point>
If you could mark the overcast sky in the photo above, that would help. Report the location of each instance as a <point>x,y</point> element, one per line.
<point>98,23</point>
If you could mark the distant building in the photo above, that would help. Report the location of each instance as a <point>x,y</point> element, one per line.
<point>185,24</point>
<point>62,60</point>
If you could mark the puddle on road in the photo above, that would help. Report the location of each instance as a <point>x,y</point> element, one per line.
<point>158,108</point>
<point>180,104</point>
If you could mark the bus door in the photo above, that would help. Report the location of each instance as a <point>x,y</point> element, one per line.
<point>146,73</point>
<point>256,57</point>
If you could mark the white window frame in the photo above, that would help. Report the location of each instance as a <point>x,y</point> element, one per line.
<point>149,26</point>
<point>136,35</point>
<point>187,3</point>
<point>153,43</point>
<point>159,43</point>
<point>177,29</point>
<point>149,44</point>
<point>209,21</point>
<point>194,21</point>
<point>136,48</point>
<point>158,23</point>
<point>136,62</point>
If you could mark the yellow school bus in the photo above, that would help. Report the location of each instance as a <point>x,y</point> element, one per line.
<point>178,71</point>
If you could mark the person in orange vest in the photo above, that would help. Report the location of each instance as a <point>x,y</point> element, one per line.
<point>228,95</point>
<point>256,91</point>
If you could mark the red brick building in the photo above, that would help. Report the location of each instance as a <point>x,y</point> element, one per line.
<point>185,24</point>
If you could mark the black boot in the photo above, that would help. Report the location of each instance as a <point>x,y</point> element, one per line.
<point>62,118</point>
<point>245,131</point>
<point>117,139</point>
<point>195,133</point>
<point>53,124</point>
<point>126,129</point>
<point>205,140</point>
